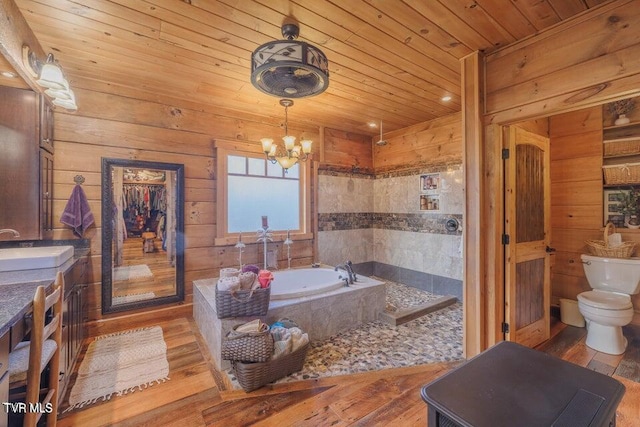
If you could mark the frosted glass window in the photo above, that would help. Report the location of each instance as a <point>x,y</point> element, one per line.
<point>274,169</point>
<point>250,197</point>
<point>293,172</point>
<point>256,166</point>
<point>237,164</point>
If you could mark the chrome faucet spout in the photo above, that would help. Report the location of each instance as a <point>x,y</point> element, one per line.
<point>351,275</point>
<point>10,230</point>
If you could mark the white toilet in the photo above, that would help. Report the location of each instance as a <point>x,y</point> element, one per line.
<point>607,308</point>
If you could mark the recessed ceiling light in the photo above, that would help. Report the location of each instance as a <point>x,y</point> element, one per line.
<point>9,74</point>
<point>446,98</point>
<point>372,124</point>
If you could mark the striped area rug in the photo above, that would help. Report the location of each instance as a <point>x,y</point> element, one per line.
<point>120,363</point>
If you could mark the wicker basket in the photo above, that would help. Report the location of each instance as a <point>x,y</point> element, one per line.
<point>628,173</point>
<point>248,346</point>
<point>601,247</point>
<point>622,147</point>
<point>242,303</point>
<point>254,375</point>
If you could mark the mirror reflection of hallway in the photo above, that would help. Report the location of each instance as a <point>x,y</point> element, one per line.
<point>144,226</point>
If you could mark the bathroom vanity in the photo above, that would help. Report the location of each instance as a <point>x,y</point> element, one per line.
<point>17,289</point>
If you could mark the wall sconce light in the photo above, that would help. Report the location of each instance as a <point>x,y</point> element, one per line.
<point>49,75</point>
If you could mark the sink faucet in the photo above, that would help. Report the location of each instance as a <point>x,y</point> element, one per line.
<point>348,267</point>
<point>10,230</point>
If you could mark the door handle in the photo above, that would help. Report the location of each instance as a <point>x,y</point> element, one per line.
<point>549,249</point>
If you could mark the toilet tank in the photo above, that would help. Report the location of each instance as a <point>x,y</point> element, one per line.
<point>612,274</point>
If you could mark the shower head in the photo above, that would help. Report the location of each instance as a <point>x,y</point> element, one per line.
<point>381,141</point>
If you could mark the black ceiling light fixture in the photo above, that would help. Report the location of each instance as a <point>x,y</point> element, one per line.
<point>289,68</point>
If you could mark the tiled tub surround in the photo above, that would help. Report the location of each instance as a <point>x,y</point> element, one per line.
<point>321,315</point>
<point>377,224</point>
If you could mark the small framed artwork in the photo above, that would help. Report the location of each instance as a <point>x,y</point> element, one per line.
<point>429,202</point>
<point>613,206</point>
<point>430,182</point>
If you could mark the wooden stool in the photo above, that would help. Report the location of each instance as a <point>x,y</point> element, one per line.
<point>29,359</point>
<point>147,243</point>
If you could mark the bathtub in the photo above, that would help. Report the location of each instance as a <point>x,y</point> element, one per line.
<point>304,282</point>
<point>315,298</point>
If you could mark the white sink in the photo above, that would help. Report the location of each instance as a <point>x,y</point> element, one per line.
<point>34,258</point>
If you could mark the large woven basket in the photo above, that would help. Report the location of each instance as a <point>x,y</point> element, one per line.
<point>252,376</point>
<point>622,147</point>
<point>628,173</point>
<point>602,248</point>
<point>242,303</point>
<point>248,346</point>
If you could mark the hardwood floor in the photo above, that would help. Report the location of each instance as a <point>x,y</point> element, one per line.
<point>161,283</point>
<point>382,398</point>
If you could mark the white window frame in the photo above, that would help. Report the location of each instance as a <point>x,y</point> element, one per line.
<point>223,237</point>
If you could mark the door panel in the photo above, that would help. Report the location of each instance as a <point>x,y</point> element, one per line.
<point>527,223</point>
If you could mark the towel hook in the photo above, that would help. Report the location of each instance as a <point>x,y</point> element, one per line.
<point>78,179</point>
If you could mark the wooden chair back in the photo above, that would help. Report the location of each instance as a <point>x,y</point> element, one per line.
<point>41,330</point>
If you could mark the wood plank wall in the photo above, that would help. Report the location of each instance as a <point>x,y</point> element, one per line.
<point>575,65</point>
<point>118,126</point>
<point>577,197</point>
<point>433,143</point>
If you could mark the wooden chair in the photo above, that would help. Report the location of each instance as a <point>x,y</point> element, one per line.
<point>29,359</point>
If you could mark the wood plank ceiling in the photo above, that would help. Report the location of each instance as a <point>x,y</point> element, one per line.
<point>389,60</point>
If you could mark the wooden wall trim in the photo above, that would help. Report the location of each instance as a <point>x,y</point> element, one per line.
<point>474,334</point>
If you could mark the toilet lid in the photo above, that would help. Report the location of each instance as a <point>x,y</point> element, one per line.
<point>607,300</point>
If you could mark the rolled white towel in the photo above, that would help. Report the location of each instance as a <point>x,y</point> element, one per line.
<point>281,348</point>
<point>280,334</point>
<point>298,338</point>
<point>228,284</point>
<point>255,325</point>
<point>229,272</point>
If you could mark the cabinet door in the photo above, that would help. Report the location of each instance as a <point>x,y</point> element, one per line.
<point>46,124</point>
<point>46,187</point>
<point>19,163</point>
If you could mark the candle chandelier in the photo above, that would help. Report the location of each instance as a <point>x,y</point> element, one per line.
<point>291,153</point>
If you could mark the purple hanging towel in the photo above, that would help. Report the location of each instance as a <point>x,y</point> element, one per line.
<point>77,214</point>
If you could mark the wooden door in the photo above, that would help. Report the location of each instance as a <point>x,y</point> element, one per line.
<point>527,237</point>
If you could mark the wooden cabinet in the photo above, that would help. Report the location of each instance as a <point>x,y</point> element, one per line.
<point>74,318</point>
<point>46,125</point>
<point>19,163</point>
<point>26,169</point>
<point>46,192</point>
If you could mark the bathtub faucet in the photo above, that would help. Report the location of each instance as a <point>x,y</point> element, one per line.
<point>348,267</point>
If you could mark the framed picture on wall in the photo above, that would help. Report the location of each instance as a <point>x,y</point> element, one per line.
<point>613,207</point>
<point>429,182</point>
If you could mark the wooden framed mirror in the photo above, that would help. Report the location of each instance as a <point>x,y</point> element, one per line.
<point>142,234</point>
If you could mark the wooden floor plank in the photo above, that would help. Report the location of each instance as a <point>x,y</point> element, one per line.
<point>379,398</point>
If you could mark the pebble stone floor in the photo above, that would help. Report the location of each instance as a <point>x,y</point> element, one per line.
<point>434,337</point>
